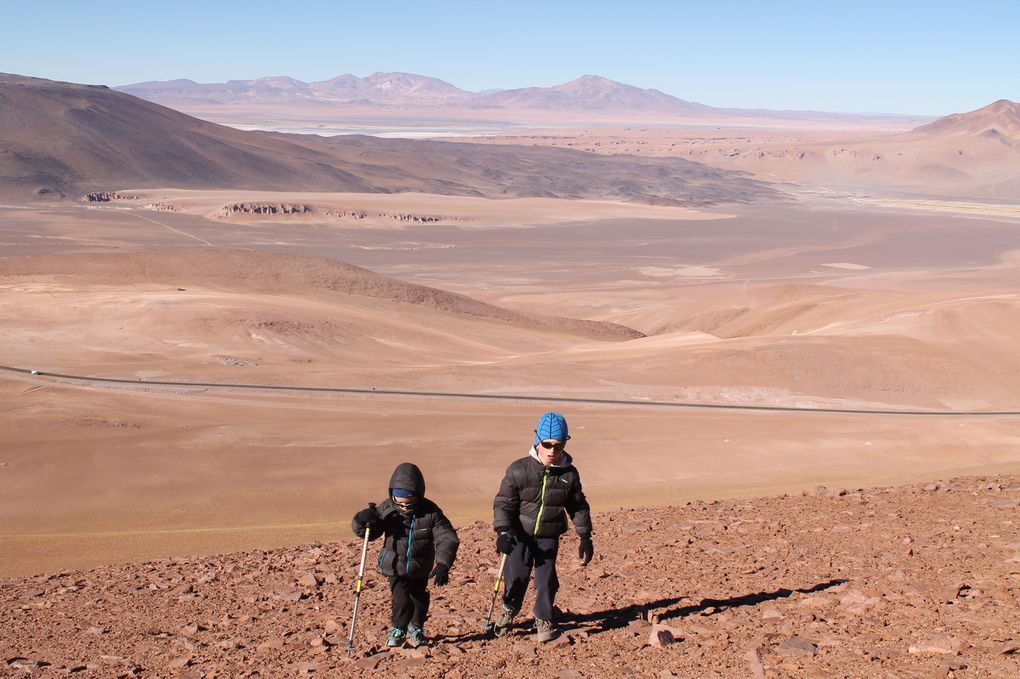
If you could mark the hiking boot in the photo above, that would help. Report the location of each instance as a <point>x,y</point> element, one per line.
<point>504,622</point>
<point>396,638</point>
<point>415,636</point>
<point>545,629</point>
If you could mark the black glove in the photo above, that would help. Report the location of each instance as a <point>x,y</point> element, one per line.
<point>440,574</point>
<point>367,518</point>
<point>586,550</point>
<point>504,543</point>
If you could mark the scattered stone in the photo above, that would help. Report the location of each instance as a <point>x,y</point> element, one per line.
<point>275,644</point>
<point>371,662</point>
<point>1009,648</point>
<point>661,635</point>
<point>753,656</point>
<point>288,593</point>
<point>937,643</point>
<point>305,667</point>
<point>309,580</point>
<point>797,645</point>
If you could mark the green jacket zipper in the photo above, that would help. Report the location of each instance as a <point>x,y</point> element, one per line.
<point>410,542</point>
<point>541,505</point>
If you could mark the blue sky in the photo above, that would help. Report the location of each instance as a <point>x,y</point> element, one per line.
<point>928,58</point>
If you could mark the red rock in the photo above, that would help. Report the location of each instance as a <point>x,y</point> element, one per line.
<point>288,593</point>
<point>371,662</point>
<point>1009,648</point>
<point>797,645</point>
<point>275,644</point>
<point>305,667</point>
<point>937,643</point>
<point>308,580</point>
<point>753,656</point>
<point>661,635</point>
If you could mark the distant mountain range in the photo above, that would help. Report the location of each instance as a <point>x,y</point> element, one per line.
<point>589,94</point>
<point>60,138</point>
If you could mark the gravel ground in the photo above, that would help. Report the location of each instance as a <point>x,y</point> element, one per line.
<point>913,581</point>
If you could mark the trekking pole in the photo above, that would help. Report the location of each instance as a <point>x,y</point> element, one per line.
<point>495,593</point>
<point>357,590</point>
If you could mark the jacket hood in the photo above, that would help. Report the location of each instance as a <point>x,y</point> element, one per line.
<point>408,477</point>
<point>565,461</point>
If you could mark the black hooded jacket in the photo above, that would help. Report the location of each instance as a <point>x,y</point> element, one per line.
<point>415,540</point>
<point>535,500</point>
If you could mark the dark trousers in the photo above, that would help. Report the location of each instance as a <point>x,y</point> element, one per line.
<point>410,601</point>
<point>538,555</point>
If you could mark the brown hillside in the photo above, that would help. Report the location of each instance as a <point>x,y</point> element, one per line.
<point>966,155</point>
<point>283,273</point>
<point>1001,119</point>
<point>64,138</point>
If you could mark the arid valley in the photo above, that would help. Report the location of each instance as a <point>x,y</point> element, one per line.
<point>217,344</point>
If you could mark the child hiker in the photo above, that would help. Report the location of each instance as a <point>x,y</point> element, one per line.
<point>536,496</point>
<point>420,544</point>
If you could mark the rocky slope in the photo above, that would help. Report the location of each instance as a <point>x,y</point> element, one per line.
<point>917,581</point>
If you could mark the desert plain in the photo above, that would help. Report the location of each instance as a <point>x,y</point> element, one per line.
<point>789,305</point>
<point>190,372</point>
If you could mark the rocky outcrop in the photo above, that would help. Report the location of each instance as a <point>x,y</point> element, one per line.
<point>106,196</point>
<point>269,209</point>
<point>261,208</point>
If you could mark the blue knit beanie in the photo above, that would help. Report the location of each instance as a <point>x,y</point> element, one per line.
<point>551,426</point>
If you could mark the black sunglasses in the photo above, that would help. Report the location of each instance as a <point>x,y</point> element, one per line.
<point>549,446</point>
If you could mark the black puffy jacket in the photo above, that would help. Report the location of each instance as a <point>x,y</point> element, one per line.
<point>535,500</point>
<point>415,540</point>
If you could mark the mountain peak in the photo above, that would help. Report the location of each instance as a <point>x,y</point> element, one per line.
<point>1002,117</point>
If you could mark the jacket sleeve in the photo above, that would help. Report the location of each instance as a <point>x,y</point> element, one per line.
<point>578,509</point>
<point>445,538</point>
<point>506,508</point>
<point>359,528</point>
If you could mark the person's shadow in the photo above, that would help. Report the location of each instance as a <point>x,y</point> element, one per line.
<point>615,618</point>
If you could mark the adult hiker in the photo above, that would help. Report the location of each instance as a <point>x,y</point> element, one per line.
<point>530,513</point>
<point>420,544</point>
